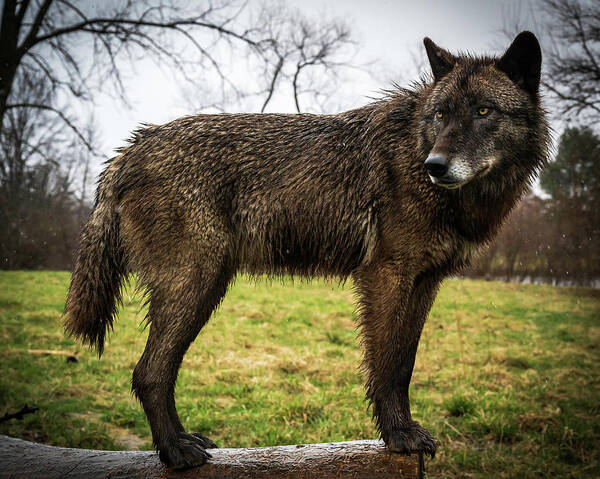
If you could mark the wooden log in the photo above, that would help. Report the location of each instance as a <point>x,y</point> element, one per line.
<point>354,459</point>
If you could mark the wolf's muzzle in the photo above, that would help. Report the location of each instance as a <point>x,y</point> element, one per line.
<point>436,165</point>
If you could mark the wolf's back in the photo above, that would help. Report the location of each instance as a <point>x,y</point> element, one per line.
<point>100,265</point>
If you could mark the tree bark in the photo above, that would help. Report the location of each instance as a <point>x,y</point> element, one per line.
<point>9,33</point>
<point>355,459</point>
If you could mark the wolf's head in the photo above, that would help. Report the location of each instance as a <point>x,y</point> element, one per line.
<point>480,112</point>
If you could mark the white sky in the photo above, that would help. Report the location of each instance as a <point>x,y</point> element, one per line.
<point>387,30</point>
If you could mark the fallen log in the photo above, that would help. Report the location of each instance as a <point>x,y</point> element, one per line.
<point>354,459</point>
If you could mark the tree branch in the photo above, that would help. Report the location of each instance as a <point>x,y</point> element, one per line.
<point>572,98</point>
<point>35,27</point>
<point>85,26</point>
<point>271,88</point>
<point>62,116</point>
<point>21,12</point>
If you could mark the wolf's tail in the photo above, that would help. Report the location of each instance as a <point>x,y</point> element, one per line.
<point>100,266</point>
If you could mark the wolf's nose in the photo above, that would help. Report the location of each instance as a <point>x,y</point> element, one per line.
<point>436,165</point>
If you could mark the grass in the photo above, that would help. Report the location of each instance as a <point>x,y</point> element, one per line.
<point>507,375</point>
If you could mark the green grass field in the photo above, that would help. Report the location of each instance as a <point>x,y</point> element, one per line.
<point>507,376</point>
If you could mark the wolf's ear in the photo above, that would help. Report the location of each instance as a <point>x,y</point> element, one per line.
<point>440,60</point>
<point>522,62</point>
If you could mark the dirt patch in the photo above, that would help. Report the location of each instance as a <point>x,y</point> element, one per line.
<point>124,438</point>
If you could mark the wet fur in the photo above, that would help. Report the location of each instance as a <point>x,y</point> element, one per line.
<point>189,204</point>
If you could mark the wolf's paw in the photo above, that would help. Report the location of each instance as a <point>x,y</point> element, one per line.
<point>186,450</point>
<point>414,439</point>
<point>204,441</point>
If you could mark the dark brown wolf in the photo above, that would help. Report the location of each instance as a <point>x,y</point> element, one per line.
<point>397,194</point>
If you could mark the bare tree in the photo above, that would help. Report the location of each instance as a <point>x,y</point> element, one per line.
<point>308,61</point>
<point>307,54</point>
<point>574,61</point>
<point>571,43</point>
<point>28,137</point>
<point>75,47</point>
<point>38,220</point>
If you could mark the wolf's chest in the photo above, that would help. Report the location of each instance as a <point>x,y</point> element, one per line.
<point>449,253</point>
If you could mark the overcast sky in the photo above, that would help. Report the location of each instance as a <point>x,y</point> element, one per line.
<point>387,31</point>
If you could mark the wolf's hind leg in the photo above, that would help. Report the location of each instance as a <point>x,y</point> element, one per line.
<point>180,305</point>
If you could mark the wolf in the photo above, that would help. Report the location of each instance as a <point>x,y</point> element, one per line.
<point>397,195</point>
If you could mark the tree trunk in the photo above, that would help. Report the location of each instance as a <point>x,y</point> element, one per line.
<point>355,459</point>
<point>9,34</point>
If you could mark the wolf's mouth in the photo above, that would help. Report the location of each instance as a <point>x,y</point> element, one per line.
<point>450,185</point>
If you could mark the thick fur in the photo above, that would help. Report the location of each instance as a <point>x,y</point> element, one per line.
<point>95,290</point>
<point>189,204</point>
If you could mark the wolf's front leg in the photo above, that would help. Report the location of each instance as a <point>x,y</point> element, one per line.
<point>393,311</point>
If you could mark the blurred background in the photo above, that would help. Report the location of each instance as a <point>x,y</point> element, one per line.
<point>76,77</point>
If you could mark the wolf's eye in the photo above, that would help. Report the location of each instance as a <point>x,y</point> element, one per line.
<point>483,111</point>
<point>439,115</point>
